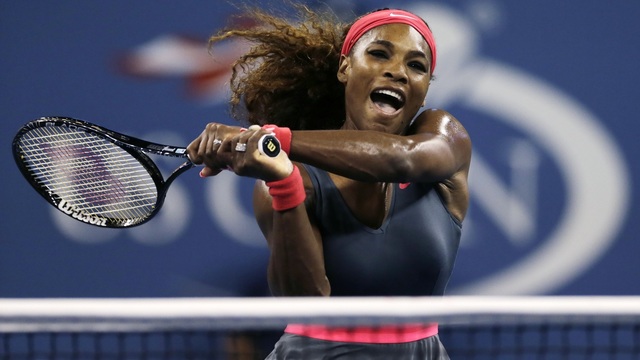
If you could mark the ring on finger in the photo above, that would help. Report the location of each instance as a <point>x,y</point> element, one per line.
<point>241,147</point>
<point>217,142</point>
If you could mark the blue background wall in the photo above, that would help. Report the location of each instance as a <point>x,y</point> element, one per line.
<point>548,91</point>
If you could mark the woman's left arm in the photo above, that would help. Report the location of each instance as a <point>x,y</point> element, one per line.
<point>435,148</point>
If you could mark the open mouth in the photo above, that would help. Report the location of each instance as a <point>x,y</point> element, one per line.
<point>388,101</point>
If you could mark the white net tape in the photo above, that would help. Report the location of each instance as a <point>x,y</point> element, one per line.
<point>491,328</point>
<point>26,315</point>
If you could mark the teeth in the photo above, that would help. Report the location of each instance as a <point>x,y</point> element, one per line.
<point>390,93</point>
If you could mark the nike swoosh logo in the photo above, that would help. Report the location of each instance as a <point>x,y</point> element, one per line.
<point>400,15</point>
<point>404,185</point>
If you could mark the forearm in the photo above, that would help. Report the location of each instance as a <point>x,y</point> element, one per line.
<point>296,263</point>
<point>360,155</point>
<point>296,260</point>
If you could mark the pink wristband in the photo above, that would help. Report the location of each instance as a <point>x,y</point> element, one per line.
<point>283,134</point>
<point>288,192</point>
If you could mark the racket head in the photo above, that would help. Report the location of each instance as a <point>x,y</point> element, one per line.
<point>84,171</point>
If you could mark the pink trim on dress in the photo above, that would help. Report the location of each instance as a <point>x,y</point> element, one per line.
<point>386,334</point>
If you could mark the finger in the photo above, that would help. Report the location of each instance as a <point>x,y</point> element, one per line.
<point>213,143</point>
<point>204,144</point>
<point>193,151</point>
<point>207,171</point>
<point>199,146</point>
<point>239,142</point>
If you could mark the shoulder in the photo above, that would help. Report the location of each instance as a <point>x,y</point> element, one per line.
<point>436,120</point>
<point>441,123</point>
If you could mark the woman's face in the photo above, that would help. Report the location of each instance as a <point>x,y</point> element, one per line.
<point>386,78</point>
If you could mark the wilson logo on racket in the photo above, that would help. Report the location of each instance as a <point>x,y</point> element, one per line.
<point>269,145</point>
<point>83,216</point>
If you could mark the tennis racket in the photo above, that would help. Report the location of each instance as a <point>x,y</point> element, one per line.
<point>96,175</point>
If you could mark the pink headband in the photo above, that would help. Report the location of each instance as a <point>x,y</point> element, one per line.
<point>384,17</point>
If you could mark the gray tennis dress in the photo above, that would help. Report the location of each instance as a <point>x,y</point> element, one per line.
<point>411,254</point>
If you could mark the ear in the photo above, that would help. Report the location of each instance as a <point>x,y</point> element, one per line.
<point>344,68</point>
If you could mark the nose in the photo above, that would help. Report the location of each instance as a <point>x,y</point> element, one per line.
<point>396,72</point>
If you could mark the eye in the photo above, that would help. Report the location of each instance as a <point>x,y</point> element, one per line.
<point>379,54</point>
<point>418,66</point>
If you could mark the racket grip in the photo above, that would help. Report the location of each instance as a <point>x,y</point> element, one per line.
<point>269,145</point>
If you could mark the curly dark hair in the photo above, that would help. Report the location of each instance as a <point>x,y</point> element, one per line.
<point>289,76</point>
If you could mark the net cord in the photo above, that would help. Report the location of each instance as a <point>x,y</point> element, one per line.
<point>140,314</point>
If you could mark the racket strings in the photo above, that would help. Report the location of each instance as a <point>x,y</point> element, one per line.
<point>89,173</point>
<point>89,189</point>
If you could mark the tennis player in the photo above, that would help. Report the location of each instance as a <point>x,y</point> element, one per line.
<point>370,191</point>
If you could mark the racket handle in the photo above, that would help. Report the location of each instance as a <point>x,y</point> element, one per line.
<point>269,145</point>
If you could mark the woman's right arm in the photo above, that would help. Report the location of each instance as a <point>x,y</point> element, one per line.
<point>296,261</point>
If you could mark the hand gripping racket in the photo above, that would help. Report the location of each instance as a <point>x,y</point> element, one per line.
<point>96,175</point>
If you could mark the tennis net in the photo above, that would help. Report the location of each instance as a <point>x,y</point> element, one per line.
<point>247,328</point>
